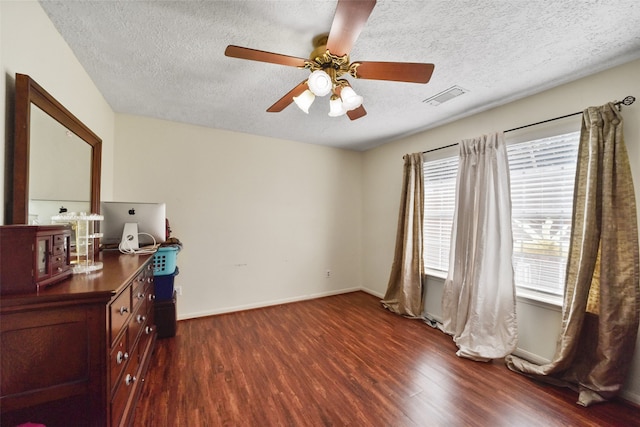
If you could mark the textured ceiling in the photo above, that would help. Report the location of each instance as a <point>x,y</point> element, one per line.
<point>165,59</point>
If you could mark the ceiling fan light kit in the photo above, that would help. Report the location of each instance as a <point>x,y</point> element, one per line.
<point>330,60</point>
<point>321,83</point>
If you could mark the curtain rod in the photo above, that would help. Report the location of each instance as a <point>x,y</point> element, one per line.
<point>626,101</point>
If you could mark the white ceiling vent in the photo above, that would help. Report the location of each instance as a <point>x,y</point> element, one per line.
<point>445,95</point>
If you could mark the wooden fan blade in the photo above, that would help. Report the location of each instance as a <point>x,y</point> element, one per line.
<point>357,113</point>
<point>348,22</point>
<point>262,56</point>
<point>395,71</point>
<point>284,102</point>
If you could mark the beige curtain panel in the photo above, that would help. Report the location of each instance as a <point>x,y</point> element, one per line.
<point>602,297</point>
<point>404,291</point>
<point>478,298</point>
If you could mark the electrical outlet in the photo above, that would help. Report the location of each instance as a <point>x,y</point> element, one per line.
<point>328,275</point>
<point>179,290</point>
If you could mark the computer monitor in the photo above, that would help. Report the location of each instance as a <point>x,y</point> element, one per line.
<point>149,217</point>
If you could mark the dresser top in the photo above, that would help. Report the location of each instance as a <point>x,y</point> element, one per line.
<point>118,269</point>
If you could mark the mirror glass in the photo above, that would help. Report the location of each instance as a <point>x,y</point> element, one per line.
<point>71,190</point>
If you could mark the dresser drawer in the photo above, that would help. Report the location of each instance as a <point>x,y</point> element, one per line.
<point>137,323</point>
<point>60,261</point>
<point>119,312</point>
<point>124,388</point>
<point>139,294</point>
<point>59,239</point>
<point>118,360</point>
<point>147,334</point>
<point>59,248</point>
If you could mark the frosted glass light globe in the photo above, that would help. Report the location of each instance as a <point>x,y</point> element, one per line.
<point>320,83</point>
<point>350,99</point>
<point>336,108</point>
<point>304,100</point>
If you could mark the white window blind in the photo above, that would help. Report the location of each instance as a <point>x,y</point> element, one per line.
<point>439,202</point>
<point>542,180</point>
<point>542,173</point>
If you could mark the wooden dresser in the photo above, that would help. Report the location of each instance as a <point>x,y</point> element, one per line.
<point>76,353</point>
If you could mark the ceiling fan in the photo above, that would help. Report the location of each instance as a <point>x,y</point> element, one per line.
<point>330,60</point>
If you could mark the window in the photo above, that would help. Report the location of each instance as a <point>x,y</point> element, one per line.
<point>439,203</point>
<point>542,173</point>
<point>542,180</point>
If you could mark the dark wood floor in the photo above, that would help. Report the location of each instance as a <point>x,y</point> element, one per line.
<point>343,361</point>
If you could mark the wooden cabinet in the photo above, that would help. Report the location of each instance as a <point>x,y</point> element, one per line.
<point>77,353</point>
<point>33,256</point>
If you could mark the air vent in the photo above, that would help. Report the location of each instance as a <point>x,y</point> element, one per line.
<point>445,95</point>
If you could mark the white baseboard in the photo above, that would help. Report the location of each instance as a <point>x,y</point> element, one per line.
<point>262,304</point>
<point>374,293</point>
<point>630,397</point>
<point>531,357</point>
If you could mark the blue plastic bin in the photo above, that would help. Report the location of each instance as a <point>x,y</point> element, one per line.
<point>164,286</point>
<point>164,260</point>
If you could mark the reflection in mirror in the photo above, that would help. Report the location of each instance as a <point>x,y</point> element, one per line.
<point>41,211</point>
<point>71,190</point>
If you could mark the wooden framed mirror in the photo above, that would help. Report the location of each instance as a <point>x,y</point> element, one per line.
<point>55,169</point>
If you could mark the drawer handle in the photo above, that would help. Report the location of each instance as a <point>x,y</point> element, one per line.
<point>140,295</point>
<point>124,309</point>
<point>152,297</point>
<point>121,357</point>
<point>148,330</point>
<point>129,379</point>
<point>141,318</point>
<point>149,279</point>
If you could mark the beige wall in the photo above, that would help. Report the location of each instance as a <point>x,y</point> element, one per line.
<point>262,220</point>
<point>383,177</point>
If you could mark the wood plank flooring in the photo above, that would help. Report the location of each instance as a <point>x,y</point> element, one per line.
<point>343,361</point>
